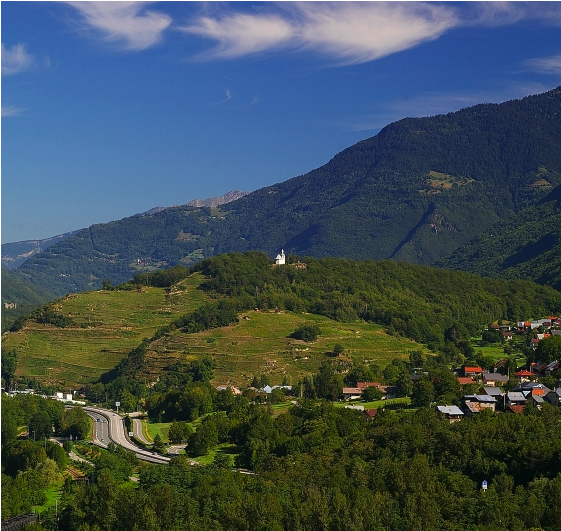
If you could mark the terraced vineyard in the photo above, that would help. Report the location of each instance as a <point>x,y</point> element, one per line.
<point>107,325</point>
<point>260,344</point>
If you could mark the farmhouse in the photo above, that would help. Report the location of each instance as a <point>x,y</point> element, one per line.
<point>452,413</point>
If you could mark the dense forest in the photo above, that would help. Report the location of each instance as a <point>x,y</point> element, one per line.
<point>317,467</point>
<point>527,245</point>
<point>414,192</point>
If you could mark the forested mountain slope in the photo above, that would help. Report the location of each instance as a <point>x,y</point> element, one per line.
<point>415,192</point>
<point>19,297</point>
<point>525,246</point>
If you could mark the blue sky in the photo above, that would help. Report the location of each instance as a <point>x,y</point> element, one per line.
<point>112,108</point>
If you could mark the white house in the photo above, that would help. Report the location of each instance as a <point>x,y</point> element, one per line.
<point>281,258</point>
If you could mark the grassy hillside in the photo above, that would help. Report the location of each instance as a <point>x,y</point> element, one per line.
<point>109,324</point>
<point>260,344</point>
<point>240,310</point>
<point>416,191</point>
<point>106,326</point>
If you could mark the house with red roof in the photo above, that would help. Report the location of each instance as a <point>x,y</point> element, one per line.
<point>473,371</point>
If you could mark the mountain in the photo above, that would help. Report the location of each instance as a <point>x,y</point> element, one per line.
<point>525,246</point>
<point>217,201</point>
<point>19,297</point>
<point>415,192</point>
<point>228,197</point>
<point>14,254</point>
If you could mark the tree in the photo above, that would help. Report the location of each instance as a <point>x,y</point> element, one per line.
<point>328,384</point>
<point>371,393</point>
<point>548,349</point>
<point>423,393</point>
<point>41,425</point>
<point>404,384</point>
<point>203,439</point>
<point>179,431</point>
<point>307,333</point>
<point>276,396</point>
<point>159,445</point>
<point>9,365</point>
<point>75,423</point>
<point>128,401</point>
<point>417,358</point>
<point>338,349</point>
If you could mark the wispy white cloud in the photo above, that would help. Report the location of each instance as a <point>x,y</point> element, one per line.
<point>363,31</point>
<point>507,13</point>
<point>548,65</point>
<point>11,110</point>
<point>16,59</point>
<point>240,34</point>
<point>352,32</point>
<point>128,23</point>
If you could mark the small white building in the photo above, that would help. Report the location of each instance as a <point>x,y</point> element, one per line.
<point>281,258</point>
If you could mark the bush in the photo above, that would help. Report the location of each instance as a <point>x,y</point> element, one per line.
<point>307,333</point>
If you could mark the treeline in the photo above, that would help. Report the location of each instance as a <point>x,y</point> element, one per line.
<point>319,467</point>
<point>45,315</point>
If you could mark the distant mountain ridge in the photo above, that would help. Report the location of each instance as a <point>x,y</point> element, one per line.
<point>416,191</point>
<point>14,254</point>
<point>214,202</point>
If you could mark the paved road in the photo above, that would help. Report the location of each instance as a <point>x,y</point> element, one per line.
<point>138,432</point>
<point>117,434</point>
<point>100,431</point>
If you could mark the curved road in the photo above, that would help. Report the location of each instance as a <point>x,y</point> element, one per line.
<point>116,433</point>
<point>138,433</point>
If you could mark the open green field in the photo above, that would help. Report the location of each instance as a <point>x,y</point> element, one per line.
<point>108,325</point>
<point>259,344</point>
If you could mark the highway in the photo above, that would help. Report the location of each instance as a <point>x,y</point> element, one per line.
<point>111,428</point>
<point>137,430</point>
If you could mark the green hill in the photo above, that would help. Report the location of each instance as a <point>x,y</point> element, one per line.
<point>526,246</point>
<point>416,191</point>
<point>242,311</point>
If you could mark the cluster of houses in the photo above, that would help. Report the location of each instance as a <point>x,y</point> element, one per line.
<point>526,392</point>
<point>549,326</point>
<point>493,398</point>
<point>67,398</point>
<point>489,386</point>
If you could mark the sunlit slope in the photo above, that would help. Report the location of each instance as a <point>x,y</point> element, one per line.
<point>106,325</point>
<point>260,344</point>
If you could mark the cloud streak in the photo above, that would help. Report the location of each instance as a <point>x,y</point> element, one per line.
<point>351,32</point>
<point>126,23</point>
<point>16,60</point>
<point>547,65</point>
<point>11,110</point>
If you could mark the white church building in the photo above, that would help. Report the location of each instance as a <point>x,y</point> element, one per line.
<point>281,258</point>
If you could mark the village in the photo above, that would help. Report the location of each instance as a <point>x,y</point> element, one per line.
<point>496,391</point>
